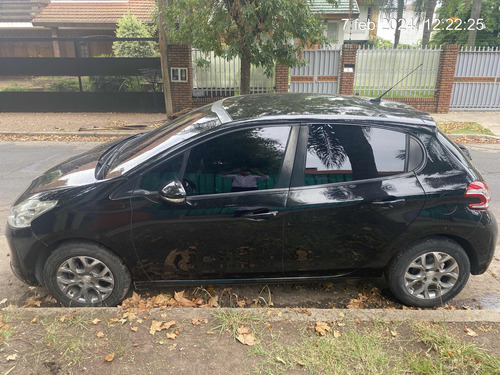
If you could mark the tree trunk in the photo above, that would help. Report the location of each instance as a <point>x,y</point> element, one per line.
<point>474,14</point>
<point>429,14</point>
<point>399,17</point>
<point>165,71</point>
<point>245,74</point>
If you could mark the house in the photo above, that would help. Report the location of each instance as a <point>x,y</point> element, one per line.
<point>15,22</point>
<point>347,20</point>
<point>72,19</point>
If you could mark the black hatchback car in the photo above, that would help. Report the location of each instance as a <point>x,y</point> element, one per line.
<point>261,188</point>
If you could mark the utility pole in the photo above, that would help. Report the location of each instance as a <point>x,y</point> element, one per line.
<point>165,71</point>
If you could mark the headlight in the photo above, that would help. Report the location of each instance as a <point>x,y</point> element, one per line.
<point>23,214</point>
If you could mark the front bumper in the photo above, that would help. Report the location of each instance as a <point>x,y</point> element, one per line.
<point>25,248</point>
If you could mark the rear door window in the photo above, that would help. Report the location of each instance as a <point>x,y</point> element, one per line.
<point>340,153</point>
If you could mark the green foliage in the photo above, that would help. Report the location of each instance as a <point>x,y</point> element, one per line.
<point>14,88</point>
<point>380,42</point>
<point>490,36</point>
<point>64,85</point>
<point>259,32</point>
<point>106,83</point>
<point>130,27</point>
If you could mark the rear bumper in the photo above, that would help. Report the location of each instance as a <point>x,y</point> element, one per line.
<point>484,241</point>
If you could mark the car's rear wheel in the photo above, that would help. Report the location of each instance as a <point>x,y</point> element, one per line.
<point>428,273</point>
<point>83,274</point>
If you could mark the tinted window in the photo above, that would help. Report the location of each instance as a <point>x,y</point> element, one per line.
<point>242,160</point>
<point>164,172</point>
<point>338,153</point>
<point>156,141</point>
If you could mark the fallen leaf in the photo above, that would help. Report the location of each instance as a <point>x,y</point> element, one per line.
<point>470,332</point>
<point>34,320</point>
<point>243,330</point>
<point>171,336</point>
<point>182,301</point>
<point>357,303</point>
<point>62,318</point>
<point>279,359</point>
<point>155,326</point>
<point>3,301</point>
<point>134,329</point>
<point>241,303</point>
<point>109,357</point>
<point>158,325</point>
<point>12,357</point>
<point>213,301</point>
<point>32,302</point>
<point>95,321</point>
<point>394,333</point>
<point>247,339</point>
<point>198,321</point>
<point>167,325</point>
<point>100,334</point>
<point>322,328</point>
<point>336,334</point>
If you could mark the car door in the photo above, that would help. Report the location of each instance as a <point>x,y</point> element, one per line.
<point>353,191</point>
<point>219,232</point>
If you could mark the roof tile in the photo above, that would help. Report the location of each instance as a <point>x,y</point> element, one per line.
<point>95,11</point>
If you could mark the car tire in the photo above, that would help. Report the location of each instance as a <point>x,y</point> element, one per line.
<point>428,273</point>
<point>81,274</point>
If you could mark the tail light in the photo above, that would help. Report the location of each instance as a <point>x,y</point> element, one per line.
<point>479,190</point>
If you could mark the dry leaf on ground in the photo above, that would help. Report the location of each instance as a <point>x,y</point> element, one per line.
<point>109,357</point>
<point>322,328</point>
<point>470,332</point>
<point>247,339</point>
<point>198,321</point>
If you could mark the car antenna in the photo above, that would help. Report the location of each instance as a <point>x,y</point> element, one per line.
<point>377,100</point>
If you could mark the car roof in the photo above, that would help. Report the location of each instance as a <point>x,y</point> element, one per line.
<point>314,107</point>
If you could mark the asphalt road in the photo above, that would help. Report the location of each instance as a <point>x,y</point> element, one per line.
<point>21,162</point>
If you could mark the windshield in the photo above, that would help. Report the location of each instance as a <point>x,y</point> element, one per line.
<point>159,140</point>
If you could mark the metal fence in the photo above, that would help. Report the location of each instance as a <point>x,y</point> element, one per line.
<point>477,79</point>
<point>221,77</point>
<point>319,74</point>
<point>378,69</point>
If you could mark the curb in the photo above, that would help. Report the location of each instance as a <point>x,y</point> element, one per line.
<point>473,136</point>
<point>67,134</point>
<point>292,314</point>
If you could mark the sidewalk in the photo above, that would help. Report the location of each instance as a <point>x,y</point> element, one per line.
<point>125,123</point>
<point>489,119</point>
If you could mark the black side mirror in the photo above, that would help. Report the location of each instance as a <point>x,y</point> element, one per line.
<point>173,192</point>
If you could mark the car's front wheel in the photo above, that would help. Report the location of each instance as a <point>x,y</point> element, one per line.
<point>82,274</point>
<point>428,273</point>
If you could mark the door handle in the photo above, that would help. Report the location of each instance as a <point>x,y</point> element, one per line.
<point>261,216</point>
<point>389,203</point>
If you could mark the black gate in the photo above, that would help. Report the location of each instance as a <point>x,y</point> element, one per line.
<point>119,100</point>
